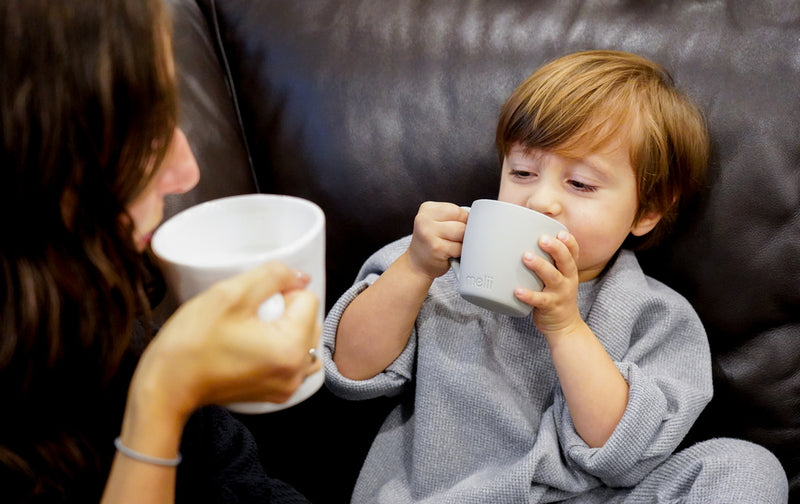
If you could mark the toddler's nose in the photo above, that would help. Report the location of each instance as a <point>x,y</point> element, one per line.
<point>544,201</point>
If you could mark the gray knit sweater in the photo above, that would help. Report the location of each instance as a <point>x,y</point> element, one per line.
<point>483,418</point>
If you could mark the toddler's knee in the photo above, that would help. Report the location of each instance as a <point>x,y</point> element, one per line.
<point>740,454</point>
<point>748,466</point>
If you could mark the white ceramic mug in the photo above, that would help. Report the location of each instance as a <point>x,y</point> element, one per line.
<point>491,267</point>
<point>220,238</point>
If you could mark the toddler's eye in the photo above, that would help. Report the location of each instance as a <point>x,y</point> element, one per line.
<point>521,174</point>
<point>581,186</point>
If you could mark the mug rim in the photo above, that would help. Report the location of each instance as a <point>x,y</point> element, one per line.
<point>496,202</point>
<point>158,239</point>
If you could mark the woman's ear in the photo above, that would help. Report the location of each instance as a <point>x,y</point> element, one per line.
<point>645,223</point>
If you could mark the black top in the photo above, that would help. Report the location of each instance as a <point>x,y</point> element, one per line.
<point>221,463</point>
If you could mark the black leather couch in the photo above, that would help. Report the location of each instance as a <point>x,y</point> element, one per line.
<point>371,107</point>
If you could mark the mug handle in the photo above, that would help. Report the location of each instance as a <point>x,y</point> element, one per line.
<point>455,265</point>
<point>272,308</point>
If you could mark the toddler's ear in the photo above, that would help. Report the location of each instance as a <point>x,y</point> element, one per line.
<point>645,223</point>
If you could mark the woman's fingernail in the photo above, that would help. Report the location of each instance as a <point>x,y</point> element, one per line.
<point>528,256</point>
<point>563,235</point>
<point>544,240</point>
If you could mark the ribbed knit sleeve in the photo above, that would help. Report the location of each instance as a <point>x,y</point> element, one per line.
<point>659,345</point>
<point>394,378</point>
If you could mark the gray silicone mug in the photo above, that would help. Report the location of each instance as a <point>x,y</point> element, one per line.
<point>490,267</point>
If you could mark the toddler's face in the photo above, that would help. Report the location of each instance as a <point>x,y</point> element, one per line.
<point>595,196</point>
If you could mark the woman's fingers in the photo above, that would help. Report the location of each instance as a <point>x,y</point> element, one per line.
<point>251,288</point>
<point>300,320</point>
<point>223,352</point>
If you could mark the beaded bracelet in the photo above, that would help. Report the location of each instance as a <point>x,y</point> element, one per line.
<point>141,457</point>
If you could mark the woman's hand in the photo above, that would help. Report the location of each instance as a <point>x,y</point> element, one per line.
<point>215,349</point>
<point>438,234</point>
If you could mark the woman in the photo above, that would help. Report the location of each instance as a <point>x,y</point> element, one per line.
<point>90,149</point>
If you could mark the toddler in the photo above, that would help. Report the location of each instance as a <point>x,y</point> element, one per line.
<point>587,399</point>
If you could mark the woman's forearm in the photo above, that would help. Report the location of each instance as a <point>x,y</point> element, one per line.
<point>145,464</point>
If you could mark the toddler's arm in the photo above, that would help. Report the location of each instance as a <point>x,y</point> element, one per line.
<point>375,327</point>
<point>595,390</point>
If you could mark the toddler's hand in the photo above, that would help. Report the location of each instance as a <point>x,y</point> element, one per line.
<point>556,306</point>
<point>438,233</point>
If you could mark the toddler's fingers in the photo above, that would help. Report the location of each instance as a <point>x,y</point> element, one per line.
<point>452,231</point>
<point>547,272</point>
<point>569,240</point>
<point>528,297</point>
<point>442,210</point>
<point>564,260</point>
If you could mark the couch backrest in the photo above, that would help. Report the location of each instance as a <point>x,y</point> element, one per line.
<point>370,108</point>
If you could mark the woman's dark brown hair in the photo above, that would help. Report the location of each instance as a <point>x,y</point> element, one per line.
<point>88,106</point>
